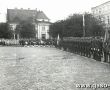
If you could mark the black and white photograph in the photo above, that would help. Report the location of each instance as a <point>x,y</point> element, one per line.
<point>54,45</point>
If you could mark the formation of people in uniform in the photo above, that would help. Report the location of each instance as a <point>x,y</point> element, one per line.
<point>89,47</point>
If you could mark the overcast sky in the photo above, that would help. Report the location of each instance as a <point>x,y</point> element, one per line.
<point>54,9</point>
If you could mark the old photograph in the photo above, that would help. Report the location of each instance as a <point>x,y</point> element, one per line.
<point>54,45</point>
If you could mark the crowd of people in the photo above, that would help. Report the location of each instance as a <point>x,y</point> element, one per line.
<point>35,42</point>
<point>23,42</point>
<point>8,42</point>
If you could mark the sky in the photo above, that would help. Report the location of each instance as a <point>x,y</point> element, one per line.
<point>54,9</point>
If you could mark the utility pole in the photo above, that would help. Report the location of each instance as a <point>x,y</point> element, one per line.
<point>84,25</point>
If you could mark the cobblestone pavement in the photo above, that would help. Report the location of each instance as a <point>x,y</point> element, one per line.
<point>44,68</point>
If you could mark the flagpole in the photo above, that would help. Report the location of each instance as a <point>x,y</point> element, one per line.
<point>106,37</point>
<point>58,39</point>
<point>84,25</point>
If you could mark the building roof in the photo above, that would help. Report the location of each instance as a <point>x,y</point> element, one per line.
<point>41,15</point>
<point>17,15</point>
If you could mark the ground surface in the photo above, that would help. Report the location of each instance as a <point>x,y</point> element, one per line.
<point>44,68</point>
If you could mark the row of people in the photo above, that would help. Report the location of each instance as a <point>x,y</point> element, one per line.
<point>25,42</point>
<point>35,42</point>
<point>9,42</point>
<point>92,48</point>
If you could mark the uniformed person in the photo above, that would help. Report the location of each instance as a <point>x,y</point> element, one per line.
<point>106,50</point>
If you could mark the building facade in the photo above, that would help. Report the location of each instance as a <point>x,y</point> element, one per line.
<point>38,18</point>
<point>102,12</point>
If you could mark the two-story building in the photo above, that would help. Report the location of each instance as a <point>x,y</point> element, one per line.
<point>38,18</point>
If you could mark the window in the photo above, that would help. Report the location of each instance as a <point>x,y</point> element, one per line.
<point>100,10</point>
<point>96,10</point>
<point>47,31</point>
<point>105,8</point>
<point>108,19</point>
<point>108,7</point>
<point>43,28</point>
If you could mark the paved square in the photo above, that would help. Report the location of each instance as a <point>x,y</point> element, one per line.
<point>48,68</point>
